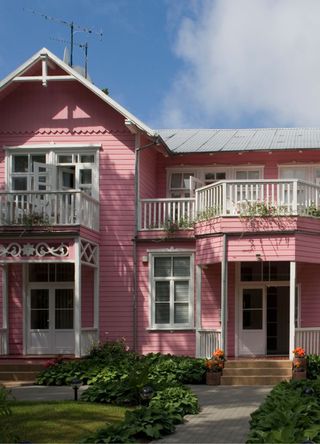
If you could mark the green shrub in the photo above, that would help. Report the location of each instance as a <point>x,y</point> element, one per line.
<point>178,399</point>
<point>6,432</point>
<point>288,415</point>
<point>313,367</point>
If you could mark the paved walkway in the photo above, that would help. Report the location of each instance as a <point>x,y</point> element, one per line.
<point>224,416</point>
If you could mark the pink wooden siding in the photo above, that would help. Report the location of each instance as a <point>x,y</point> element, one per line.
<point>87,288</point>
<point>231,309</point>
<point>308,278</point>
<point>1,297</point>
<point>148,173</point>
<point>211,297</point>
<point>15,309</point>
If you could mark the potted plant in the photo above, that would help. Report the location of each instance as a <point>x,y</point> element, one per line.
<point>214,367</point>
<point>299,364</point>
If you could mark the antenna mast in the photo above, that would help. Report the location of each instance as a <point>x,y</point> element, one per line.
<point>73,29</point>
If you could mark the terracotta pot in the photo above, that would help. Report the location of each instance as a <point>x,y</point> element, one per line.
<point>213,378</point>
<point>297,376</point>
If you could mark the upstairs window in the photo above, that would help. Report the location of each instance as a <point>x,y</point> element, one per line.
<point>212,177</point>
<point>23,170</point>
<point>180,184</point>
<point>172,291</point>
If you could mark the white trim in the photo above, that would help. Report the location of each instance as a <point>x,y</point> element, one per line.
<point>292,306</point>
<point>77,298</point>
<point>171,280</point>
<point>53,146</point>
<point>25,307</point>
<point>199,272</point>
<point>5,307</point>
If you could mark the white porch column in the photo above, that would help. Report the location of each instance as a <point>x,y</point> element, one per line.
<point>198,308</point>
<point>77,298</point>
<point>293,269</point>
<point>96,293</point>
<point>224,295</point>
<point>5,309</point>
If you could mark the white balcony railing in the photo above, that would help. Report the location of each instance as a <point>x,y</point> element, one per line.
<point>36,208</point>
<point>233,198</point>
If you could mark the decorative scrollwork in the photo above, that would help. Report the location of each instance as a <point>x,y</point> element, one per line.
<point>27,250</point>
<point>89,253</point>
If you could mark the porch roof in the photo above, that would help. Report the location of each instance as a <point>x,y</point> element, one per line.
<point>225,140</point>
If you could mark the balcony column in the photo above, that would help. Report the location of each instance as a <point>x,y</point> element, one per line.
<point>292,304</point>
<point>96,294</point>
<point>77,298</point>
<point>5,310</point>
<point>224,295</point>
<point>198,308</point>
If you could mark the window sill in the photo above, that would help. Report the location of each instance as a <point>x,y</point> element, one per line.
<point>172,329</point>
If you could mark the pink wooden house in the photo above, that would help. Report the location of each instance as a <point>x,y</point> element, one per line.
<point>177,240</point>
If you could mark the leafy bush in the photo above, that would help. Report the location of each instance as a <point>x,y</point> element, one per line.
<point>289,414</point>
<point>6,432</point>
<point>178,399</point>
<point>313,366</point>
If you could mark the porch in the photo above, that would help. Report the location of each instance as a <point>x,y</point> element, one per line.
<point>49,208</point>
<point>252,198</point>
<point>49,296</point>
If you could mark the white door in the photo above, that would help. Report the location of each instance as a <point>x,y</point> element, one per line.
<point>50,320</point>
<point>252,321</point>
<point>43,180</point>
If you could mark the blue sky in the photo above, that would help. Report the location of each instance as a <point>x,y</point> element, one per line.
<point>186,63</point>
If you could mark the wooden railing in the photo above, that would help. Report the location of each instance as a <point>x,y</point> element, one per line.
<point>166,214</point>
<point>89,337</point>
<point>35,208</point>
<point>209,341</point>
<point>3,341</point>
<point>232,198</point>
<point>308,339</point>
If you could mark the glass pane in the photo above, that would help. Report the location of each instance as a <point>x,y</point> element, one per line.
<point>20,164</point>
<point>68,179</point>
<point>252,319</point>
<point>186,180</point>
<point>162,292</point>
<point>39,298</point>
<point>64,298</point>
<point>251,271</point>
<point>19,184</point>
<point>181,291</point>
<point>176,179</point>
<point>39,319</point>
<point>253,175</point>
<point>181,313</point>
<point>279,271</point>
<point>241,175</point>
<point>252,298</point>
<point>221,176</point>
<point>181,266</point>
<point>86,177</point>
<point>162,314</point>
<point>87,158</point>
<point>38,272</point>
<point>64,319</point>
<point>64,272</point>
<point>64,158</point>
<point>210,177</point>
<point>40,158</point>
<point>162,266</point>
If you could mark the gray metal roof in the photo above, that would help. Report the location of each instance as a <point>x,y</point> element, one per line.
<point>222,140</point>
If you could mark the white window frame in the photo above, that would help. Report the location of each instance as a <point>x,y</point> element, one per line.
<point>27,174</point>
<point>52,152</point>
<point>310,171</point>
<point>153,279</point>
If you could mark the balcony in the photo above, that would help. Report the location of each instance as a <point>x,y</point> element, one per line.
<point>258,198</point>
<point>48,208</point>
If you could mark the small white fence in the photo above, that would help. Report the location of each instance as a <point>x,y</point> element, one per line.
<point>209,341</point>
<point>308,339</point>
<point>166,214</point>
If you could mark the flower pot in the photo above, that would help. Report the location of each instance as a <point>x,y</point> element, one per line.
<point>298,376</point>
<point>213,378</point>
<point>299,363</point>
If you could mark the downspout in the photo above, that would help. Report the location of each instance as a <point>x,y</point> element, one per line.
<point>224,295</point>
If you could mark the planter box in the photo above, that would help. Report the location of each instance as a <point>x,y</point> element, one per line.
<point>213,378</point>
<point>298,376</point>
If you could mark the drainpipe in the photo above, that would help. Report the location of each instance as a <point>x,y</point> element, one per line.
<point>224,295</point>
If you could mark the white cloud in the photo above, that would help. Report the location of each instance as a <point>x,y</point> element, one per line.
<point>247,63</point>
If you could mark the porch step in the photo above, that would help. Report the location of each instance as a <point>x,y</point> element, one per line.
<point>19,373</point>
<point>256,372</point>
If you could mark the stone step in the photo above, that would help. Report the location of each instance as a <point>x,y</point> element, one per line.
<point>259,363</point>
<point>9,367</point>
<point>259,371</point>
<point>18,376</point>
<point>252,380</point>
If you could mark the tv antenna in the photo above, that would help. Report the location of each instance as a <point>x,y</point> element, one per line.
<point>73,29</point>
<point>67,57</point>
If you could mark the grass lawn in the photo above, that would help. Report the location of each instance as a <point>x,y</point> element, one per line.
<point>56,422</point>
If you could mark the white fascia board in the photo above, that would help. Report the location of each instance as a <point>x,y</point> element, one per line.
<point>115,105</point>
<point>55,146</point>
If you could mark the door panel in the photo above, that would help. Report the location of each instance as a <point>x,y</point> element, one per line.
<point>39,323</point>
<point>252,331</point>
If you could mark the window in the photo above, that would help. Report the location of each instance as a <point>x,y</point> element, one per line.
<point>247,174</point>
<point>45,272</point>
<point>22,176</point>
<point>265,271</point>
<point>172,291</point>
<point>180,184</point>
<point>212,177</point>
